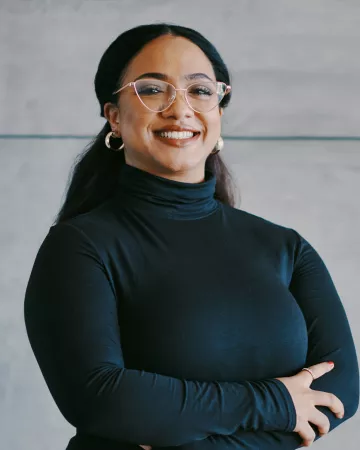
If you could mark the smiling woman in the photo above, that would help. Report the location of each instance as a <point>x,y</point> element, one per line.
<point>161,315</point>
<point>170,57</point>
<point>179,62</point>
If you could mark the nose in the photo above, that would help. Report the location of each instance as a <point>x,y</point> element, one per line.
<point>179,107</point>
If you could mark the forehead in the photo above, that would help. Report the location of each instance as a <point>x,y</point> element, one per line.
<point>172,55</point>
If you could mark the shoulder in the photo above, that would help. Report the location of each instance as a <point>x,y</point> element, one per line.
<point>274,237</point>
<point>259,225</point>
<point>96,229</point>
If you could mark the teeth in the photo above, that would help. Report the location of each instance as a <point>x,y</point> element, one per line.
<point>177,134</point>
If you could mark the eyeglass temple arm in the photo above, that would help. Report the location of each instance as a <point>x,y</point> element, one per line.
<point>126,85</point>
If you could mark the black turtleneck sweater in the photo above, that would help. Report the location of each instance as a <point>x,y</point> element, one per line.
<point>163,316</point>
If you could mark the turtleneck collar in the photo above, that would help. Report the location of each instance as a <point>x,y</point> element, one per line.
<point>167,198</point>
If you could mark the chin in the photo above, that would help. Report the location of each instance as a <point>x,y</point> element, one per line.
<point>183,166</point>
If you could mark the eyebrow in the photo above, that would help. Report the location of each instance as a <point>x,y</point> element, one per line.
<point>162,76</point>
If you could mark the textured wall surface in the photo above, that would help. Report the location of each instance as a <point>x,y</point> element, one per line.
<point>295,64</point>
<point>295,70</point>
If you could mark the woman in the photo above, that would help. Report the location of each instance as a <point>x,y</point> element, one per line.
<point>161,315</point>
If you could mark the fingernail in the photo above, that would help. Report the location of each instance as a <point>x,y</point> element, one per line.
<point>331,363</point>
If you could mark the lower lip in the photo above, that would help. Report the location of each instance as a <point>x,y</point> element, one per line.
<point>178,142</point>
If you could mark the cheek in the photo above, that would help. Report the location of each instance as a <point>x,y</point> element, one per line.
<point>213,125</point>
<point>134,125</point>
<point>134,120</point>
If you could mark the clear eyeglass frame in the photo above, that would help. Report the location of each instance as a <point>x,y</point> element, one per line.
<point>227,89</point>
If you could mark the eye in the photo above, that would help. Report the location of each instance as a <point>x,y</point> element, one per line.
<point>201,90</point>
<point>150,89</point>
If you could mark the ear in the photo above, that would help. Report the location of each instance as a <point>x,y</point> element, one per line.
<point>112,114</point>
<point>221,110</point>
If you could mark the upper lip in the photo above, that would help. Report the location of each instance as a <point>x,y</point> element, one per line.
<point>177,128</point>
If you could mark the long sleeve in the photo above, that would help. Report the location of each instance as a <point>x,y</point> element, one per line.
<point>71,315</point>
<point>329,339</point>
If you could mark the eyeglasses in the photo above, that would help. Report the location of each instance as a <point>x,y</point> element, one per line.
<point>158,95</point>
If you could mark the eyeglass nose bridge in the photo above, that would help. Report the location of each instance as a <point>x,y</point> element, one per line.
<point>173,98</point>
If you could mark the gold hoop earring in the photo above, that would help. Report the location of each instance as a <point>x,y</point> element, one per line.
<point>218,146</point>
<point>107,142</point>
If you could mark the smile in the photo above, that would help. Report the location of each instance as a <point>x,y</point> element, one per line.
<point>177,138</point>
<point>176,134</point>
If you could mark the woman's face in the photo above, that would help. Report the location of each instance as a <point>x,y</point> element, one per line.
<point>181,160</point>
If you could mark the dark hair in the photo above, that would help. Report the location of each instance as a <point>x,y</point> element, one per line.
<point>96,170</point>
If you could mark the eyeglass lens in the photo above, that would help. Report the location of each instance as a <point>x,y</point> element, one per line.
<point>157,95</point>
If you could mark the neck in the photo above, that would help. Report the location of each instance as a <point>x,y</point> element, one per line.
<point>164,197</point>
<point>196,175</point>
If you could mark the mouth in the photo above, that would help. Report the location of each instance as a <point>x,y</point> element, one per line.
<point>177,138</point>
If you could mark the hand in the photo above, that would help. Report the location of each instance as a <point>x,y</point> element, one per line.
<point>305,399</point>
<point>146,447</point>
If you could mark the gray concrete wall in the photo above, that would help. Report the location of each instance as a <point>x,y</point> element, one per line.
<point>295,64</point>
<point>295,71</point>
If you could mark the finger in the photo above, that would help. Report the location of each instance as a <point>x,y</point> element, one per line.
<point>307,434</point>
<point>331,401</point>
<point>319,370</point>
<point>321,421</point>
